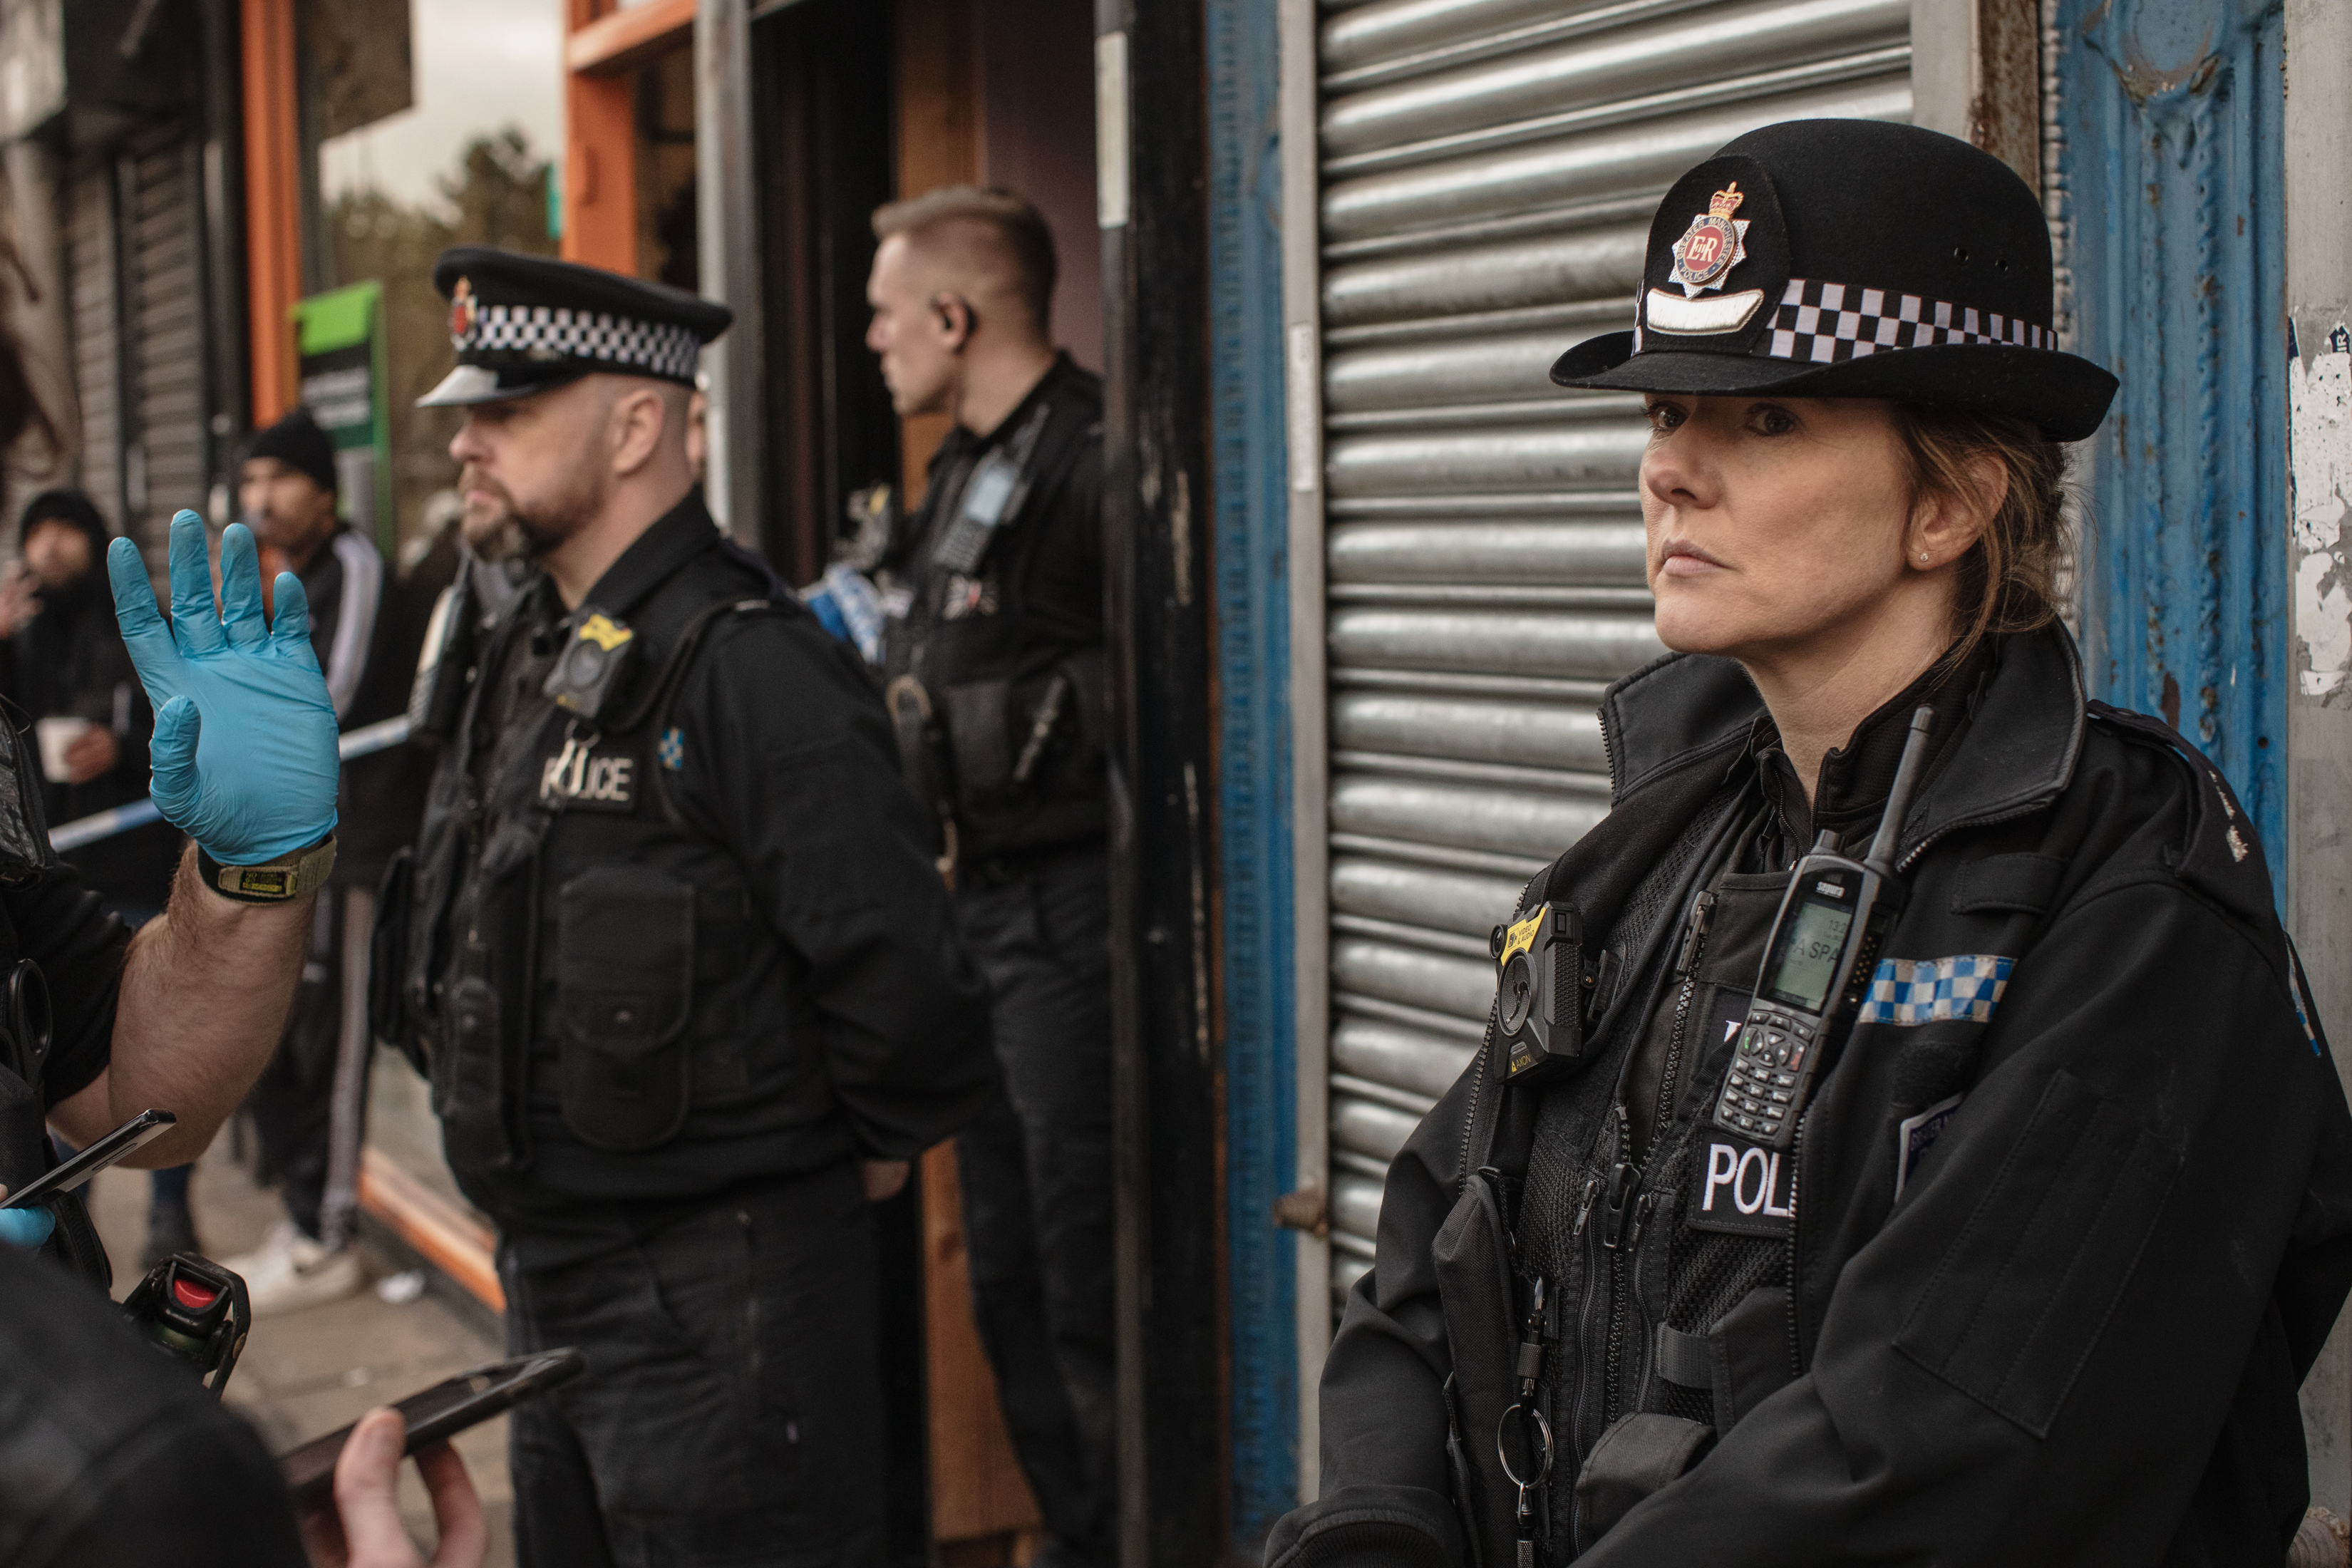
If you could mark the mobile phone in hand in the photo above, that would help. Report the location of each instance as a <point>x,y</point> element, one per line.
<point>119,1144</point>
<point>438,1413</point>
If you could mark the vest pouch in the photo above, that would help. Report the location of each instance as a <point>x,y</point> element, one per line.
<point>980,737</point>
<point>624,996</point>
<point>1636,1455</point>
<point>466,1073</point>
<point>1472,1253</point>
<point>24,1142</point>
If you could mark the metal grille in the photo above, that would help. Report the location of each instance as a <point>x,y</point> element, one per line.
<point>159,181</point>
<point>1488,169</point>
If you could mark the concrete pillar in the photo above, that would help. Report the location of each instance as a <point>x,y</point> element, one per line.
<point>2319,859</point>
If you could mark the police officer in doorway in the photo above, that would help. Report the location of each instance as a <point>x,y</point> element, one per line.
<point>675,955</point>
<point>993,646</point>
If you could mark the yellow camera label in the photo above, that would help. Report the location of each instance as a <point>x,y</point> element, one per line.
<point>605,633</point>
<point>1521,937</point>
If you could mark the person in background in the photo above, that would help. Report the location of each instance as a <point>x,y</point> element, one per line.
<point>63,662</point>
<point>992,644</point>
<point>309,1108</point>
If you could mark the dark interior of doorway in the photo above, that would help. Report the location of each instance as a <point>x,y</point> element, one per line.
<point>823,103</point>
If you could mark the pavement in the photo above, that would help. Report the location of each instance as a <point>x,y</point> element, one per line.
<point>306,1373</point>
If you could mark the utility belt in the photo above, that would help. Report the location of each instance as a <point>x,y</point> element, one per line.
<point>604,967</point>
<point>1005,765</point>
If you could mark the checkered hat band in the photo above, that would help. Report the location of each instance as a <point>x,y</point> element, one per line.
<point>1909,991</point>
<point>1826,323</point>
<point>642,348</point>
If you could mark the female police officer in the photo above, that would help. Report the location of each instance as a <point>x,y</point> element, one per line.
<point>2026,1264</point>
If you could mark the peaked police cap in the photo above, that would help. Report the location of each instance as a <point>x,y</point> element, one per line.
<point>1852,259</point>
<point>521,323</point>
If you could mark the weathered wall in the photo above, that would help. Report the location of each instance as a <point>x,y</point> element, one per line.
<point>2319,702</point>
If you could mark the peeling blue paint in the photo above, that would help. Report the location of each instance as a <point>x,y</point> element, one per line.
<point>1248,466</point>
<point>2172,204</point>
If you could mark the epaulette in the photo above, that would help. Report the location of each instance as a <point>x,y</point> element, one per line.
<point>2220,855</point>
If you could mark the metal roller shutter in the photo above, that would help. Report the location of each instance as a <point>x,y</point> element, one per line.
<point>1487,172</point>
<point>161,192</point>
<point>90,290</point>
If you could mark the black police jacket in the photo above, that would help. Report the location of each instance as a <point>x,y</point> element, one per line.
<point>694,942</point>
<point>1004,736</point>
<point>2075,1337</point>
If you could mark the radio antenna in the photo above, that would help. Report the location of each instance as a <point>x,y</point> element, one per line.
<point>1881,858</point>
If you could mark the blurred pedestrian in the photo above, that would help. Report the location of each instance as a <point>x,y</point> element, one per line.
<point>309,1106</point>
<point>62,662</point>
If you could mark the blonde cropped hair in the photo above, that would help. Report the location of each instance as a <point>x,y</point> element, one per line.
<point>993,241</point>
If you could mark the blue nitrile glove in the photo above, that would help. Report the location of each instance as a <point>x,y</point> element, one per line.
<point>27,1228</point>
<point>243,753</point>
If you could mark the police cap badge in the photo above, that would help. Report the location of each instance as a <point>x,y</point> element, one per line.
<point>521,323</point>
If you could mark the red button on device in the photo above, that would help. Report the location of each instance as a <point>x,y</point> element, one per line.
<point>193,1294</point>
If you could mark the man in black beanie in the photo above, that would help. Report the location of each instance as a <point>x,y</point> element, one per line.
<point>308,1106</point>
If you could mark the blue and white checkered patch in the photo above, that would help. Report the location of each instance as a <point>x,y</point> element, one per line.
<point>672,748</point>
<point>1927,990</point>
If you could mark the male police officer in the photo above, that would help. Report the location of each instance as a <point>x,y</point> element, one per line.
<point>994,654</point>
<point>678,957</point>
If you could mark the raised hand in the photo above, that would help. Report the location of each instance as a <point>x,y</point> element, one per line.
<point>243,753</point>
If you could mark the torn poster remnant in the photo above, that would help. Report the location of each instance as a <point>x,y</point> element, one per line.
<point>2319,468</point>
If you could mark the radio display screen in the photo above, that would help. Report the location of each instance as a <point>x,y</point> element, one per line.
<point>1809,954</point>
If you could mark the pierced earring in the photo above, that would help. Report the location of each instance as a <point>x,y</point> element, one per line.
<point>1922,555</point>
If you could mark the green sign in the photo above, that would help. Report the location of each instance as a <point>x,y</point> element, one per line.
<point>340,368</point>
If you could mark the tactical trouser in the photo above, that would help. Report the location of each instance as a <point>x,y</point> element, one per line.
<point>1036,1175</point>
<point>732,1409</point>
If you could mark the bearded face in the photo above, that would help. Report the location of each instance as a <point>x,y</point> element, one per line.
<point>531,480</point>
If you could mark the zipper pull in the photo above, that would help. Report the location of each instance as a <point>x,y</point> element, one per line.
<point>1641,1218</point>
<point>1624,1181</point>
<point>1584,1206</point>
<point>1531,1347</point>
<point>1694,932</point>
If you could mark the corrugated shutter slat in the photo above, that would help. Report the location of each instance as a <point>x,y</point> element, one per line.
<point>1489,168</point>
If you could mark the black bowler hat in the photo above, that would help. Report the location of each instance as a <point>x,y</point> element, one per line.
<point>1852,259</point>
<point>523,323</point>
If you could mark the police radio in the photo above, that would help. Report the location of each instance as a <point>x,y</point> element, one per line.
<point>438,697</point>
<point>1817,962</point>
<point>1538,999</point>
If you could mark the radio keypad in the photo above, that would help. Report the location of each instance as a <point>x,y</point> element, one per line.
<point>1760,1091</point>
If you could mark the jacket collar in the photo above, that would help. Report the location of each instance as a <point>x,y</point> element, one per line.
<point>2015,755</point>
<point>677,537</point>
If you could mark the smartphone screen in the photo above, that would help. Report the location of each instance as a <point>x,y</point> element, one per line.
<point>441,1411</point>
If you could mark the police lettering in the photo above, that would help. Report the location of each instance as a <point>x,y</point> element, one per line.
<point>1743,1189</point>
<point>576,777</point>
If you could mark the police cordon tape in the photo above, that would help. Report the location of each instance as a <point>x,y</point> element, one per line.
<point>363,741</point>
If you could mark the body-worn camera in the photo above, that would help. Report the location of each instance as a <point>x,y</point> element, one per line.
<point>1539,995</point>
<point>594,663</point>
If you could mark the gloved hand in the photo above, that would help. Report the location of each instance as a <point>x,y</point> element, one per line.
<point>243,753</point>
<point>27,1228</point>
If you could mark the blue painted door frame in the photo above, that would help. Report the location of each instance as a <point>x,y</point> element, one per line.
<point>2171,198</point>
<point>1252,652</point>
